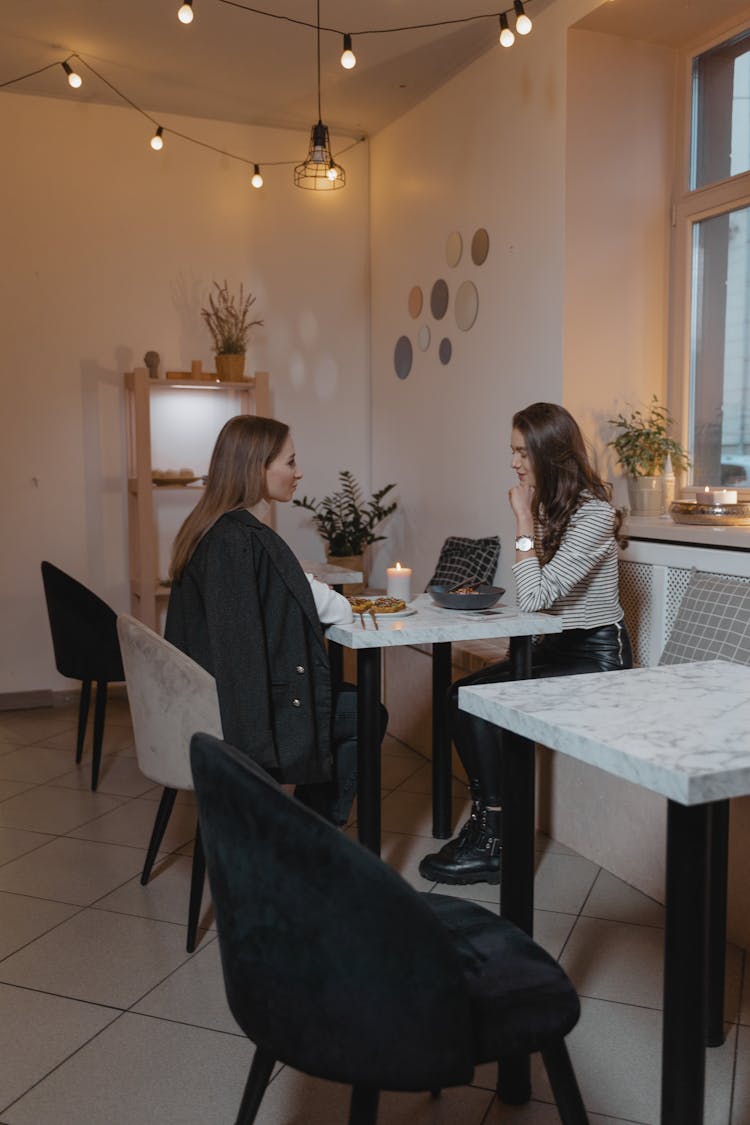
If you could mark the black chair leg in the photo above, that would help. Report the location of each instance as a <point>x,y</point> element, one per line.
<point>163,813</point>
<point>363,1109</point>
<point>564,1085</point>
<point>255,1087</point>
<point>83,714</point>
<point>514,1079</point>
<point>99,709</point>
<point>196,890</point>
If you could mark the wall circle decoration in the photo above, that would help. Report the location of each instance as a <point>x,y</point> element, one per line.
<point>439,299</point>
<point>480,246</point>
<point>445,351</point>
<point>467,305</point>
<point>415,301</point>
<point>423,338</point>
<point>453,248</point>
<point>402,357</point>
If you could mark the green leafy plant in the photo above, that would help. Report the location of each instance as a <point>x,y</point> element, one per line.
<point>228,320</point>
<point>643,444</point>
<point>345,520</point>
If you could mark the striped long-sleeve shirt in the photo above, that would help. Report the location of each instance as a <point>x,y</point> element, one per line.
<point>580,581</point>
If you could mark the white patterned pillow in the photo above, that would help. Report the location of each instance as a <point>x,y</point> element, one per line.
<point>712,623</point>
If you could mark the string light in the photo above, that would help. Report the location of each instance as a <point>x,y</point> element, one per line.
<point>507,38</point>
<point>257,179</point>
<point>74,79</point>
<point>348,58</point>
<point>185,13</point>
<point>157,141</point>
<point>523,23</point>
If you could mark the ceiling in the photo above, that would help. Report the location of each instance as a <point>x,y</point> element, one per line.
<point>236,65</point>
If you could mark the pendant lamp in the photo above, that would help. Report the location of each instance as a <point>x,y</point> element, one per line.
<point>319,172</point>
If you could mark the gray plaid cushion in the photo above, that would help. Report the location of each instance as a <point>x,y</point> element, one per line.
<point>466,560</point>
<point>712,623</point>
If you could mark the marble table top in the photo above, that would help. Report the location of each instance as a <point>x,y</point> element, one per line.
<point>332,575</point>
<point>681,730</point>
<point>430,624</point>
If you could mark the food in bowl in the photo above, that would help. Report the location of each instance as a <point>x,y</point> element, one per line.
<point>479,596</point>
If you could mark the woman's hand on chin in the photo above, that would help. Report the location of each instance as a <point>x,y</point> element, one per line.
<point>520,496</point>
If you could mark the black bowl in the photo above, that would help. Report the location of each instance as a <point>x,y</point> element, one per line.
<point>484,597</point>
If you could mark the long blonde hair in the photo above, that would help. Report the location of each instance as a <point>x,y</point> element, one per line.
<point>244,449</point>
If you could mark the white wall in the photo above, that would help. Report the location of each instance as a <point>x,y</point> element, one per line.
<point>109,250</point>
<point>487,150</point>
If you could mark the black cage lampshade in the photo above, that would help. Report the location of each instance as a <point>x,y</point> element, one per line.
<point>319,172</point>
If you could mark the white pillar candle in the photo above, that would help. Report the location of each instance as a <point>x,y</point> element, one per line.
<point>399,582</point>
<point>716,496</point>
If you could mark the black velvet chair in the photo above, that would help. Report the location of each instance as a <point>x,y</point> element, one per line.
<point>84,637</point>
<point>335,966</point>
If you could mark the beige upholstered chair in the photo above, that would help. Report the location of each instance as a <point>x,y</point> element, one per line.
<point>171,697</point>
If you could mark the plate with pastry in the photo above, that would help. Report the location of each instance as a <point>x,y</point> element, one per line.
<point>379,607</point>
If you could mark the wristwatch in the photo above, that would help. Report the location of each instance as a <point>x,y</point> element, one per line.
<point>524,543</point>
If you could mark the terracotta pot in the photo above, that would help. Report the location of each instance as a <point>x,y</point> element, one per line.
<point>350,562</point>
<point>645,495</point>
<point>230,367</point>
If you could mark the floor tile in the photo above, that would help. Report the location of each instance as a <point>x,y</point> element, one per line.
<point>741,1104</point>
<point>141,1070</point>
<point>46,808</point>
<point>25,918</point>
<point>420,781</point>
<point>11,788</point>
<point>15,842</point>
<point>611,898</point>
<point>76,871</point>
<point>552,930</point>
<point>193,994</point>
<point>403,811</point>
<point>24,727</point>
<point>119,775</point>
<point>396,770</point>
<point>562,882</point>
<point>37,1032</point>
<point>99,957</point>
<point>164,898</point>
<point>116,736</point>
<point>133,822</point>
<point>34,764</point>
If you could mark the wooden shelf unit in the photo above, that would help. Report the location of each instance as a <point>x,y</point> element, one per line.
<point>146,584</point>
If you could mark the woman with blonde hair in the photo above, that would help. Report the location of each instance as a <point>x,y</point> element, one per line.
<point>242,607</point>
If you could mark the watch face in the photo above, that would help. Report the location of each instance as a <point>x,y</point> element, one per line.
<point>524,543</point>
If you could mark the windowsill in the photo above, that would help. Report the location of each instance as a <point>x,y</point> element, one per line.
<point>663,529</point>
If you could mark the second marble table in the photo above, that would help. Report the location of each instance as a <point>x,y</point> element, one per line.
<point>428,624</point>
<point>680,730</point>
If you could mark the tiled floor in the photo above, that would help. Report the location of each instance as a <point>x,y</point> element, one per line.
<point>106,1019</point>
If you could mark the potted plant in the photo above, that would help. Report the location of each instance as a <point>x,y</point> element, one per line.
<point>228,322</point>
<point>347,522</point>
<point>642,447</point>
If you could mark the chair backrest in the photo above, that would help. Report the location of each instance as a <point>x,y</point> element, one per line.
<point>331,961</point>
<point>712,622</point>
<point>171,697</point>
<point>466,560</point>
<point>83,627</point>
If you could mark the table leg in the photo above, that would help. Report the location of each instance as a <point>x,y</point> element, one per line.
<point>336,662</point>
<point>368,748</point>
<point>441,741</point>
<point>718,862</point>
<point>683,1037</point>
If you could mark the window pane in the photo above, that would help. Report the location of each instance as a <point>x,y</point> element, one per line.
<point>720,349</point>
<point>721,113</point>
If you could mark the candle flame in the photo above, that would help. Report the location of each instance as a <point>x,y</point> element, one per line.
<point>398,566</point>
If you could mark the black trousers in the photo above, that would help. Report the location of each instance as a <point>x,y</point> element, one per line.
<point>479,743</point>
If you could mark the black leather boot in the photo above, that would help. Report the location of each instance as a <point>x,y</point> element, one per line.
<point>473,857</point>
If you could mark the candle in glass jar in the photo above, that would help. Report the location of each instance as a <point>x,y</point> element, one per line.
<point>399,582</point>
<point>716,496</point>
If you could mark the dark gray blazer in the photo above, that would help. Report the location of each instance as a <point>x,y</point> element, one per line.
<point>243,609</point>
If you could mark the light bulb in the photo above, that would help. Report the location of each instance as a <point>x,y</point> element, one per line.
<point>523,23</point>
<point>185,14</point>
<point>348,58</point>
<point>74,79</point>
<point>332,172</point>
<point>256,179</point>
<point>507,38</point>
<point>157,141</point>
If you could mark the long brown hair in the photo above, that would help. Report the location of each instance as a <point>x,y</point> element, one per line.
<point>562,471</point>
<point>244,449</point>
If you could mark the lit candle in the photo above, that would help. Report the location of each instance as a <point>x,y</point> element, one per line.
<point>399,582</point>
<point>716,496</point>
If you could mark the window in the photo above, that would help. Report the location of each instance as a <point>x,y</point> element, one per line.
<point>716,211</point>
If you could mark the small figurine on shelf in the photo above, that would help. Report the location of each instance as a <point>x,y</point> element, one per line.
<point>152,359</point>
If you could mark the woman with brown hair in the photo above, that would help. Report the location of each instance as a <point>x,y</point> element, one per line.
<point>567,534</point>
<point>242,607</point>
